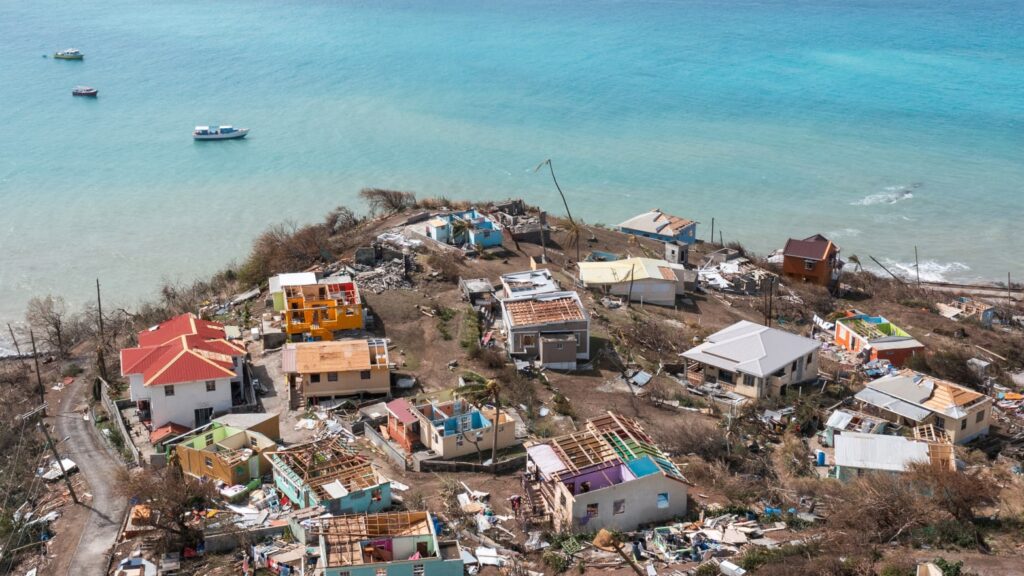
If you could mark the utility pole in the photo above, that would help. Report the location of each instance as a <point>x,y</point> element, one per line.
<point>712,230</point>
<point>917,267</point>
<point>543,217</point>
<point>629,295</point>
<point>100,353</point>
<point>720,240</point>
<point>39,377</point>
<point>1009,291</point>
<point>494,438</point>
<point>18,348</point>
<point>53,448</point>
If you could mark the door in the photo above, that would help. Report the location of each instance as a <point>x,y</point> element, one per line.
<point>203,416</point>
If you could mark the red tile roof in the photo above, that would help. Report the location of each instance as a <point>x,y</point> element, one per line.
<point>816,247</point>
<point>184,325</point>
<point>168,430</point>
<point>187,356</point>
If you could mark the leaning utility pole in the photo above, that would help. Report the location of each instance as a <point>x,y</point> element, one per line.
<point>39,377</point>
<point>41,410</point>
<point>18,348</point>
<point>100,352</point>
<point>917,267</point>
<point>494,425</point>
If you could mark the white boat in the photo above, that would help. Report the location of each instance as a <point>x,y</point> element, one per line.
<point>218,132</point>
<point>69,54</point>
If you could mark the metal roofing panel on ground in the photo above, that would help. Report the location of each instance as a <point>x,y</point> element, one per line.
<point>894,405</point>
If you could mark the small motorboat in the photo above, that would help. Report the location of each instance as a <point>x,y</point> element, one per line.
<point>218,132</point>
<point>85,91</point>
<point>69,54</point>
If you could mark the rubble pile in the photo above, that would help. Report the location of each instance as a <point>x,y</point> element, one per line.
<point>388,275</point>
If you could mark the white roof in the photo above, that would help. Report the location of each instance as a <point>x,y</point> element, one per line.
<point>752,349</point>
<point>878,451</point>
<point>546,459</point>
<point>891,404</point>
<point>277,283</point>
<point>627,269</point>
<point>656,222</point>
<point>529,283</point>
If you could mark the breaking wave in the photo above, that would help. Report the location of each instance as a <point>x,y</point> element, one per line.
<point>890,195</point>
<point>931,271</point>
<point>845,233</point>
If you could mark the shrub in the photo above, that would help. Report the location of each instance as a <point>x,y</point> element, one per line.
<point>562,405</point>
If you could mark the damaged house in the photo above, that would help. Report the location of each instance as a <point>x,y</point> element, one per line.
<point>388,544</point>
<point>225,453</point>
<point>814,259</point>
<point>875,338</point>
<point>328,473</point>
<point>753,360</point>
<point>609,475</point>
<point>450,429</point>
<point>644,280</point>
<point>552,329</point>
<point>660,226</point>
<point>858,454</point>
<point>963,308</point>
<point>528,283</point>
<point>914,399</point>
<point>465,227</point>
<point>321,311</point>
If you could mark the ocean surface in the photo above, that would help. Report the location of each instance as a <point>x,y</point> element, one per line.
<point>883,124</point>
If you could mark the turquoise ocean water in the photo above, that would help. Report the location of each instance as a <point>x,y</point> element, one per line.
<point>884,124</point>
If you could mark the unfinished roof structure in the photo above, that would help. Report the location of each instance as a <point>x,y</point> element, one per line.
<point>544,309</point>
<point>368,539</point>
<point>752,349</point>
<point>328,468</point>
<point>334,356</point>
<point>607,440</point>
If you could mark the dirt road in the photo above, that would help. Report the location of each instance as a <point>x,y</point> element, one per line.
<point>101,469</point>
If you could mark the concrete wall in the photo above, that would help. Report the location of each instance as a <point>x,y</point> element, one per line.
<point>649,291</point>
<point>393,454</point>
<point>431,567</point>
<point>640,501</point>
<point>519,347</point>
<point>188,397</point>
<point>968,428</point>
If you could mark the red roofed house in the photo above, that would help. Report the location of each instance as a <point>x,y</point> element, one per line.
<point>814,259</point>
<point>182,372</point>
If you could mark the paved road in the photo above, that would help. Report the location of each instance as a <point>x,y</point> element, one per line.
<point>101,470</point>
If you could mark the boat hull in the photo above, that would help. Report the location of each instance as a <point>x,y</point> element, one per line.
<point>232,136</point>
<point>91,94</point>
<point>65,57</point>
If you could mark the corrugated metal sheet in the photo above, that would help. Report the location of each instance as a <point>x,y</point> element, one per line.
<point>878,452</point>
<point>894,405</point>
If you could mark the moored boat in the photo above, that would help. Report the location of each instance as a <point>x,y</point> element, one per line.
<point>69,54</point>
<point>85,91</point>
<point>218,132</point>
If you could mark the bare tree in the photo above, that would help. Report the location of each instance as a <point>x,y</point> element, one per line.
<point>383,201</point>
<point>56,324</point>
<point>173,498</point>
<point>340,219</point>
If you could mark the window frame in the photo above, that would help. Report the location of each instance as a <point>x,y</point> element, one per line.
<point>169,390</point>
<point>211,385</point>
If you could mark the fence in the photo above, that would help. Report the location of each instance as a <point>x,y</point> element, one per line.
<point>393,454</point>
<point>114,415</point>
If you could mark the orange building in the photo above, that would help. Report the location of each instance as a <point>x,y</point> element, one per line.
<point>403,425</point>
<point>319,311</point>
<point>814,259</point>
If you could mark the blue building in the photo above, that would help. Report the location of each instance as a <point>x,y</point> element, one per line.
<point>329,474</point>
<point>465,227</point>
<point>660,226</point>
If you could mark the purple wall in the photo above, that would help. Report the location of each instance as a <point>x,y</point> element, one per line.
<point>600,476</point>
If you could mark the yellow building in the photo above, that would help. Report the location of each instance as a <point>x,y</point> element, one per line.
<point>319,311</point>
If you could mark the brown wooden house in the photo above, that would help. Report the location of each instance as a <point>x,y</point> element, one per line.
<point>814,259</point>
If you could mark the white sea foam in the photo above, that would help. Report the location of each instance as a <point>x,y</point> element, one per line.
<point>890,195</point>
<point>845,233</point>
<point>931,271</point>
